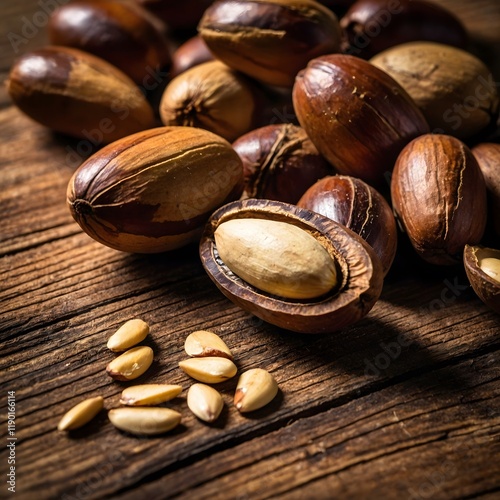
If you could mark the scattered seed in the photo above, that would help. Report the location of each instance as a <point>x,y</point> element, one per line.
<point>131,364</point>
<point>205,402</point>
<point>81,414</point>
<point>255,389</point>
<point>209,370</point>
<point>144,421</point>
<point>149,394</point>
<point>203,343</point>
<point>129,334</point>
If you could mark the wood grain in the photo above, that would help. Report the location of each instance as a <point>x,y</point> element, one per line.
<point>404,404</point>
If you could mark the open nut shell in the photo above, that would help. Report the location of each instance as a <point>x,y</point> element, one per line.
<point>360,271</point>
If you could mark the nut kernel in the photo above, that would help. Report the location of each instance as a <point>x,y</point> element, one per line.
<point>149,394</point>
<point>145,421</point>
<point>276,257</point>
<point>205,402</point>
<point>81,414</point>
<point>131,364</point>
<point>203,343</point>
<point>256,388</point>
<point>210,370</point>
<point>491,267</point>
<point>129,334</point>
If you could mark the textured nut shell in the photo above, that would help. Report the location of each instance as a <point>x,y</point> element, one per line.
<point>360,271</point>
<point>453,88</point>
<point>78,94</point>
<point>122,33</point>
<point>279,162</point>
<point>269,40</point>
<point>439,196</point>
<point>211,96</point>
<point>192,52</point>
<point>81,414</point>
<point>202,344</point>
<point>131,364</point>
<point>149,394</point>
<point>144,421</point>
<point>488,159</point>
<point>357,116</point>
<point>486,288</point>
<point>129,334</point>
<point>209,370</point>
<point>255,389</point>
<point>153,191</point>
<point>205,402</point>
<point>358,206</point>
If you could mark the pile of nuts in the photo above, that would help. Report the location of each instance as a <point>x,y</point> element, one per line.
<point>210,362</point>
<point>393,119</point>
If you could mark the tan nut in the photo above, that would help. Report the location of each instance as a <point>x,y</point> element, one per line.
<point>256,388</point>
<point>144,421</point>
<point>129,334</point>
<point>270,255</point>
<point>210,370</point>
<point>202,343</point>
<point>205,402</point>
<point>131,364</point>
<point>149,394</point>
<point>81,414</point>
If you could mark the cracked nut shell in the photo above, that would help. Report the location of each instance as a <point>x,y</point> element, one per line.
<point>154,191</point>
<point>359,270</point>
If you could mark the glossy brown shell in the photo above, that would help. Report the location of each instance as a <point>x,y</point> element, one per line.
<point>360,271</point>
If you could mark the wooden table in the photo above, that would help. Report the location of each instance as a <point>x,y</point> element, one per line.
<point>405,404</point>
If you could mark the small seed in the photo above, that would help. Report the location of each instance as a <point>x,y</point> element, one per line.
<point>276,257</point>
<point>209,370</point>
<point>203,343</point>
<point>81,414</point>
<point>129,334</point>
<point>491,267</point>
<point>131,364</point>
<point>149,394</point>
<point>255,389</point>
<point>205,402</point>
<point>146,421</point>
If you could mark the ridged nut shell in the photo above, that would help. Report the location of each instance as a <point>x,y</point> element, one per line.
<point>357,116</point>
<point>76,93</point>
<point>153,191</point>
<point>439,196</point>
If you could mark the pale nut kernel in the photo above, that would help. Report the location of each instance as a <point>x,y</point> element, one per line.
<point>256,388</point>
<point>203,343</point>
<point>149,394</point>
<point>276,257</point>
<point>81,414</point>
<point>205,402</point>
<point>491,267</point>
<point>209,370</point>
<point>131,364</point>
<point>144,421</point>
<point>129,334</point>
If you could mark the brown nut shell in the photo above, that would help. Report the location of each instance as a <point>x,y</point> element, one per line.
<point>192,52</point>
<point>486,287</point>
<point>279,162</point>
<point>211,96</point>
<point>439,196</point>
<point>357,116</point>
<point>359,207</point>
<point>371,26</point>
<point>454,89</point>
<point>359,270</point>
<point>78,94</point>
<point>153,191</point>
<point>121,32</point>
<point>269,40</point>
